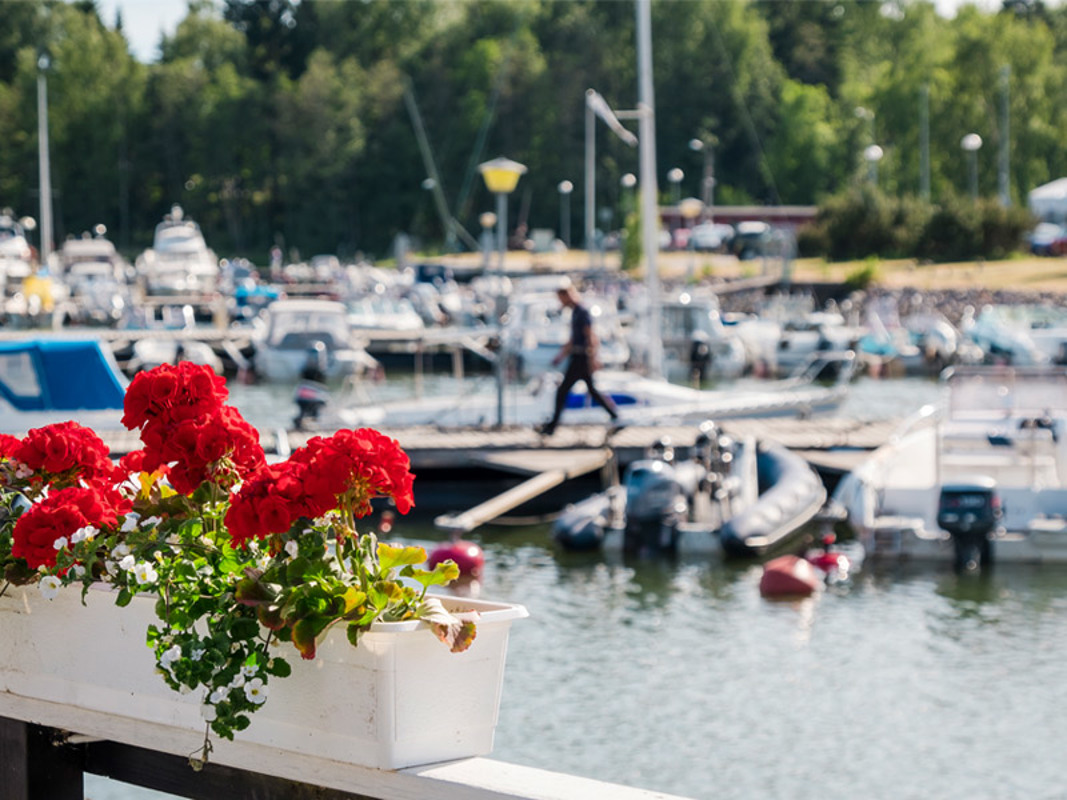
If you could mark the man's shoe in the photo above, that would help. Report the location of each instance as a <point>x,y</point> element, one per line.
<point>547,429</point>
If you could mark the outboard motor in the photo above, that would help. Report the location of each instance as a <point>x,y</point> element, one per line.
<point>310,398</point>
<point>970,512</point>
<point>655,504</point>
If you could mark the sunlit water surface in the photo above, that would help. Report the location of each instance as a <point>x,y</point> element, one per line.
<point>677,676</point>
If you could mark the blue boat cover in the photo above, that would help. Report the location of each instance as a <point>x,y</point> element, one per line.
<point>73,375</point>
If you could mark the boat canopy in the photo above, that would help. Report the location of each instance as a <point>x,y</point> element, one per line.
<point>58,376</point>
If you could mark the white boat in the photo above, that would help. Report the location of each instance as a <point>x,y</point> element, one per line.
<point>639,400</point>
<point>43,381</point>
<point>292,332</point>
<point>16,256</point>
<point>179,261</point>
<point>981,479</point>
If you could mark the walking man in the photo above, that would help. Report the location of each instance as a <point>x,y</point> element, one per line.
<point>581,352</point>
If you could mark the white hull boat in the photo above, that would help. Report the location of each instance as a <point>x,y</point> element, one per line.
<point>639,400</point>
<point>979,481</point>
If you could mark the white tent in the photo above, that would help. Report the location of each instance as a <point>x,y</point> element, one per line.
<point>1049,202</point>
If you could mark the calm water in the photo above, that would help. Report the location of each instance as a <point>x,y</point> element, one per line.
<point>677,676</point>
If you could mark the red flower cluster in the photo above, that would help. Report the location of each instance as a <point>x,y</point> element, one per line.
<point>346,470</point>
<point>60,514</point>
<point>184,424</point>
<point>65,453</point>
<point>173,393</point>
<point>8,445</point>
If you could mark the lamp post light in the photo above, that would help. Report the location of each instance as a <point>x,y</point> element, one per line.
<point>872,154</point>
<point>501,176</point>
<point>565,188</point>
<point>972,143</point>
<point>44,63</point>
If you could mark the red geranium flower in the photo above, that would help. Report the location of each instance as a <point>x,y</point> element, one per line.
<point>66,452</point>
<point>60,514</point>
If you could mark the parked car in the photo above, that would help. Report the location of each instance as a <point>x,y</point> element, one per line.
<point>1048,239</point>
<point>750,239</point>
<point>711,236</point>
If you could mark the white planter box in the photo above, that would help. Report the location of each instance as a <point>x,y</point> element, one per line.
<point>398,700</point>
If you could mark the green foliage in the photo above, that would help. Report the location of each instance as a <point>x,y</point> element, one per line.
<point>863,222</point>
<point>285,122</point>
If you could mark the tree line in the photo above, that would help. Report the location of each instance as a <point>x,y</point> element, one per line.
<point>276,122</point>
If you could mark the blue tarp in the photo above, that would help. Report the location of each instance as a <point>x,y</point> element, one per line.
<point>70,376</point>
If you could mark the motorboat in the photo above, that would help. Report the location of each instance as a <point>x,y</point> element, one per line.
<point>981,478</point>
<point>696,344</point>
<point>820,387</point>
<point>739,498</point>
<point>298,335</point>
<point>43,381</point>
<point>1022,335</point>
<point>179,261</point>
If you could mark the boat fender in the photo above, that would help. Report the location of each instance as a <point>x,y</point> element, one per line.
<point>468,556</point>
<point>789,576</point>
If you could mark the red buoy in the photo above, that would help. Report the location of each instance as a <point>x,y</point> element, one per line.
<point>789,576</point>
<point>468,557</point>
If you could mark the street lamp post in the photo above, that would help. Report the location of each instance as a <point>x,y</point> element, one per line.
<point>487,220</point>
<point>872,154</point>
<point>675,176</point>
<point>690,209</point>
<point>501,176</point>
<point>565,188</point>
<point>44,63</point>
<point>707,182</point>
<point>972,143</point>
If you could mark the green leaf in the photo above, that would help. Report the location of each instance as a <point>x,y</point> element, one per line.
<point>279,667</point>
<point>124,598</point>
<point>442,574</point>
<point>390,557</point>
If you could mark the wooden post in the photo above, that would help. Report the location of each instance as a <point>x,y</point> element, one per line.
<point>35,766</point>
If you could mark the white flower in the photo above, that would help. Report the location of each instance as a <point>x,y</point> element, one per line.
<point>238,681</point>
<point>219,694</point>
<point>78,570</point>
<point>60,543</point>
<point>197,654</point>
<point>145,572</point>
<point>292,547</point>
<point>128,563</point>
<point>86,534</point>
<point>49,586</point>
<point>208,712</point>
<point>130,522</point>
<point>150,522</point>
<point>170,656</point>
<point>121,549</point>
<point>111,567</point>
<point>249,670</point>
<point>256,691</point>
<point>173,539</point>
<point>23,471</point>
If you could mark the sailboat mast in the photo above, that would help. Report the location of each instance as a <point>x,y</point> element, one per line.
<point>649,192</point>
